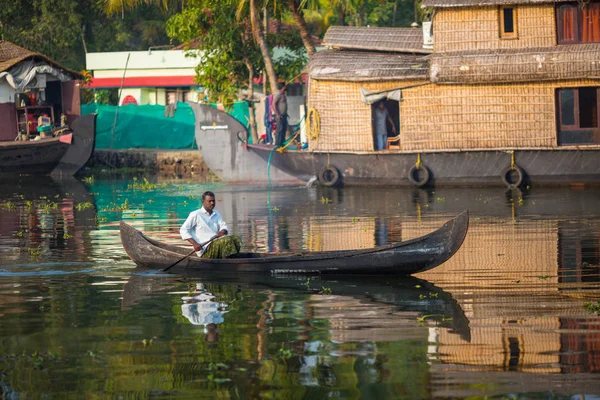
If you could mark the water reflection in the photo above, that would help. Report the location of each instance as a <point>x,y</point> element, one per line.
<point>503,317</point>
<point>45,220</point>
<point>201,309</point>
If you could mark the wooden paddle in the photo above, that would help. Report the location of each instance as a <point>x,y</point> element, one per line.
<point>192,253</point>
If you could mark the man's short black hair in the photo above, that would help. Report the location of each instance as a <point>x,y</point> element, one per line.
<point>207,193</point>
<point>280,85</point>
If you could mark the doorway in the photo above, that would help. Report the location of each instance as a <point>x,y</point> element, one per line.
<point>393,110</point>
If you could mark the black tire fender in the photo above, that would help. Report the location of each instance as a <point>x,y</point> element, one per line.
<point>329,176</point>
<point>507,176</point>
<point>419,175</point>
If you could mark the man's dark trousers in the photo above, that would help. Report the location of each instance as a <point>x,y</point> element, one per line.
<point>282,125</point>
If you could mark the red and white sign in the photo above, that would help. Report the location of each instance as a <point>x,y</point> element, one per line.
<point>129,99</point>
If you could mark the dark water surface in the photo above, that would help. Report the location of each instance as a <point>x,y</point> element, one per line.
<point>505,318</point>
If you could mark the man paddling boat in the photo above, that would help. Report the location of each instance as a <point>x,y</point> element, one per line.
<point>206,230</point>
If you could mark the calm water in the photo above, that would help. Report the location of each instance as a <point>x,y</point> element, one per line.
<point>504,318</point>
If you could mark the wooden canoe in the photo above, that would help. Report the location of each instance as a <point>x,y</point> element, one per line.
<point>405,258</point>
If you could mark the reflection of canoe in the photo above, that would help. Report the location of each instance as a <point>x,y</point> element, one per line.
<point>403,258</point>
<point>402,297</point>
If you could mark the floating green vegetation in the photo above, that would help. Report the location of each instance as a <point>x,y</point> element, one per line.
<point>213,177</point>
<point>19,234</point>
<point>89,180</point>
<point>592,307</point>
<point>67,236</point>
<point>285,353</point>
<point>35,253</point>
<point>100,219</point>
<point>29,204</point>
<point>116,207</point>
<point>355,220</point>
<point>325,290</point>
<point>422,319</point>
<point>440,199</point>
<point>325,200</point>
<point>274,208</point>
<point>48,207</point>
<point>543,277</point>
<point>145,186</point>
<point>7,205</point>
<point>84,206</point>
<point>428,296</point>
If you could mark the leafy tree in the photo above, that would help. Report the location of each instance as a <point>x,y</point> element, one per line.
<point>228,56</point>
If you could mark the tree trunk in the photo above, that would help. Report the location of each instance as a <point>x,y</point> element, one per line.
<point>341,15</point>
<point>264,47</point>
<point>395,12</point>
<point>302,27</point>
<point>252,111</point>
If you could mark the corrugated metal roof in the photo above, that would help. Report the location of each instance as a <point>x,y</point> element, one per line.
<point>409,40</point>
<point>349,65</point>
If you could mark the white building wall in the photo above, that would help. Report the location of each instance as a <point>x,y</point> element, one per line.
<point>118,73</point>
<point>7,93</point>
<point>140,60</point>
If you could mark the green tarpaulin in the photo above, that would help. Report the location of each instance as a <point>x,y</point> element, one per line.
<point>149,126</point>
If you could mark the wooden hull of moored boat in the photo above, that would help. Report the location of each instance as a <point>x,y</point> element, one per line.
<point>51,156</point>
<point>460,168</point>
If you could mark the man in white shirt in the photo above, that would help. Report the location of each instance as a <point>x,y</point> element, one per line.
<point>205,224</point>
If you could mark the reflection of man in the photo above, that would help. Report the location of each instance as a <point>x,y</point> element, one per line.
<point>382,116</point>
<point>200,309</point>
<point>281,115</point>
<point>205,224</point>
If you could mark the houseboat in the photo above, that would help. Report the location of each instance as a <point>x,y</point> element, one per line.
<point>41,131</point>
<point>495,92</point>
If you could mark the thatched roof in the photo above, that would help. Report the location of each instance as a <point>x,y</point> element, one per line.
<point>11,55</point>
<point>409,40</point>
<point>481,3</point>
<point>349,65</point>
<point>578,61</point>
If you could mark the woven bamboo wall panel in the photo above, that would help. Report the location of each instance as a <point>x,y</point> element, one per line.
<point>538,343</point>
<point>345,119</point>
<point>325,234</point>
<point>478,28</point>
<point>451,117</point>
<point>495,247</point>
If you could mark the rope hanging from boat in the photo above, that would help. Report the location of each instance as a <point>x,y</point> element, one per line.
<point>296,132</point>
<point>313,124</point>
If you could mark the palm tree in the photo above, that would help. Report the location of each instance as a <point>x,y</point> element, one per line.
<point>259,36</point>
<point>296,8</point>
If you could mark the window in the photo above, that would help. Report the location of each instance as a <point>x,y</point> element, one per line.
<point>576,24</point>
<point>508,22</point>
<point>578,116</point>
<point>176,95</point>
